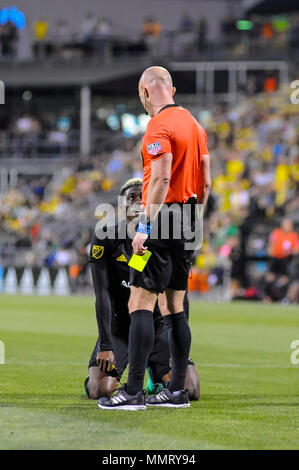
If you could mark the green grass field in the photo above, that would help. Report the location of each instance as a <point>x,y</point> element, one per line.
<point>249,388</point>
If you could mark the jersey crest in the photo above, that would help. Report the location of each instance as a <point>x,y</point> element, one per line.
<point>154,148</point>
<point>97,251</point>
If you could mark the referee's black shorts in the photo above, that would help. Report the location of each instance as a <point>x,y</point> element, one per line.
<point>159,357</point>
<point>280,266</point>
<point>169,264</point>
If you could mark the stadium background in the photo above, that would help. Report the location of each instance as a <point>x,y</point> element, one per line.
<point>70,132</point>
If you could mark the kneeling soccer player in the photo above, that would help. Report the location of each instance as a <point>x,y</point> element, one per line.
<point>110,272</point>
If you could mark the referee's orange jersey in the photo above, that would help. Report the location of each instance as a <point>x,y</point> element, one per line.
<point>174,130</point>
<point>283,244</point>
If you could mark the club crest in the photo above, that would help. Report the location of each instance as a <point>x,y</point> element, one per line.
<point>97,251</point>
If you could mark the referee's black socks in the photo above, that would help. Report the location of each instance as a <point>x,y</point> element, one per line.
<point>141,340</point>
<point>179,336</point>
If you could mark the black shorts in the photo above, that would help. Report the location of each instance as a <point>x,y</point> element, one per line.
<point>280,266</point>
<point>169,264</point>
<point>158,360</point>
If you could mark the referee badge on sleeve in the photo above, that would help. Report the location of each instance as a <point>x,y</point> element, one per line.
<point>154,148</point>
<point>97,251</point>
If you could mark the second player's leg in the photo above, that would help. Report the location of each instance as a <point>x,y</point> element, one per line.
<point>192,381</point>
<point>159,360</point>
<point>103,384</point>
<point>179,338</point>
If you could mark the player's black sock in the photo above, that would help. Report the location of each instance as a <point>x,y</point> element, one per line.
<point>179,344</point>
<point>141,340</point>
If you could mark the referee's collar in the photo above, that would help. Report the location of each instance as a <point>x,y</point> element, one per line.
<point>168,106</point>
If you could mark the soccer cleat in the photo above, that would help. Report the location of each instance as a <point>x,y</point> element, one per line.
<point>122,401</point>
<point>157,388</point>
<point>168,399</point>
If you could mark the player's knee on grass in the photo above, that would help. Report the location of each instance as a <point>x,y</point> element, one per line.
<point>192,383</point>
<point>100,384</point>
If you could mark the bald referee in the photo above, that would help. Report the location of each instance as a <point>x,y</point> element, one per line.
<point>176,171</point>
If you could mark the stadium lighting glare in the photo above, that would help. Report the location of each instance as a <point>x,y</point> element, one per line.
<point>134,125</point>
<point>244,25</point>
<point>27,95</point>
<point>113,122</point>
<point>64,124</point>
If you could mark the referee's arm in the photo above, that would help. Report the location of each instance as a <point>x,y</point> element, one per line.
<point>158,185</point>
<point>157,192</point>
<point>206,178</point>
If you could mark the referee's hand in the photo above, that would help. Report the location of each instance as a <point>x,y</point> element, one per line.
<point>106,361</point>
<point>137,244</point>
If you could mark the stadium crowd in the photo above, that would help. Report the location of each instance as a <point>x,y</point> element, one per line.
<point>252,220</point>
<point>103,38</point>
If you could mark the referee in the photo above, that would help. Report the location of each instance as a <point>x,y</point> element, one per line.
<point>176,170</point>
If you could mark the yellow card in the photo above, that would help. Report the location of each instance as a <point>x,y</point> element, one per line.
<point>138,262</point>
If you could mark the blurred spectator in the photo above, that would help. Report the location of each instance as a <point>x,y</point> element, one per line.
<point>283,244</point>
<point>281,281</point>
<point>229,29</point>
<point>41,28</point>
<point>151,32</point>
<point>267,31</point>
<point>270,84</point>
<point>186,23</point>
<point>237,264</point>
<point>27,124</point>
<point>185,36</point>
<point>86,34</point>
<point>151,27</point>
<point>87,27</point>
<point>264,176</point>
<point>202,34</point>
<point>61,37</point>
<point>102,32</point>
<point>226,230</point>
<point>64,257</point>
<point>8,39</point>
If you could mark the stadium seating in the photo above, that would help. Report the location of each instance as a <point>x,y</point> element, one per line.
<point>255,183</point>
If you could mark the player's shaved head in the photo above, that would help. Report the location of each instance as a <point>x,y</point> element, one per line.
<point>155,89</point>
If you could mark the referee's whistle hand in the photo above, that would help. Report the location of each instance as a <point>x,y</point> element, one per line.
<point>138,243</point>
<point>105,361</point>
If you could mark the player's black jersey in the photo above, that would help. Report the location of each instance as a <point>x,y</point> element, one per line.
<point>111,271</point>
<point>113,257</point>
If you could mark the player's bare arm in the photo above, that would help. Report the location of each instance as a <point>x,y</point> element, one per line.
<point>158,186</point>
